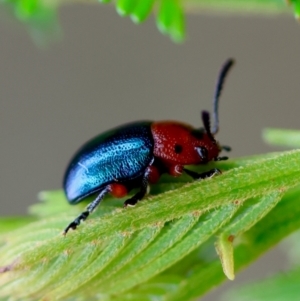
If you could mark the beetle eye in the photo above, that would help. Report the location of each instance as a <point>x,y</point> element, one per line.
<point>202,152</point>
<point>178,148</point>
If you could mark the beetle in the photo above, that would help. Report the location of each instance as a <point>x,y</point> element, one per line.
<point>134,155</point>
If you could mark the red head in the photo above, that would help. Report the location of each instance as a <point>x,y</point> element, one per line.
<point>177,143</point>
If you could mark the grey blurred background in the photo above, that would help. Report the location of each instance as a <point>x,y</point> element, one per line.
<point>106,71</point>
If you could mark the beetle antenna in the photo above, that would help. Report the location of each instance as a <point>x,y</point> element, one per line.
<point>220,83</point>
<point>206,123</point>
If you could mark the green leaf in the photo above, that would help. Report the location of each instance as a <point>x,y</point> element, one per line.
<point>277,288</point>
<point>207,273</point>
<point>170,19</point>
<point>249,215</point>
<point>164,247</point>
<point>296,6</point>
<point>283,137</point>
<point>40,16</point>
<point>12,223</point>
<point>125,7</point>
<point>142,10</point>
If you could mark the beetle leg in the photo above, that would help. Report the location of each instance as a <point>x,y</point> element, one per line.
<point>139,195</point>
<point>226,148</point>
<point>203,175</point>
<point>89,209</point>
<point>221,158</point>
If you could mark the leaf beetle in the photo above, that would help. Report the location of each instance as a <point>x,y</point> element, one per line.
<point>134,155</point>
